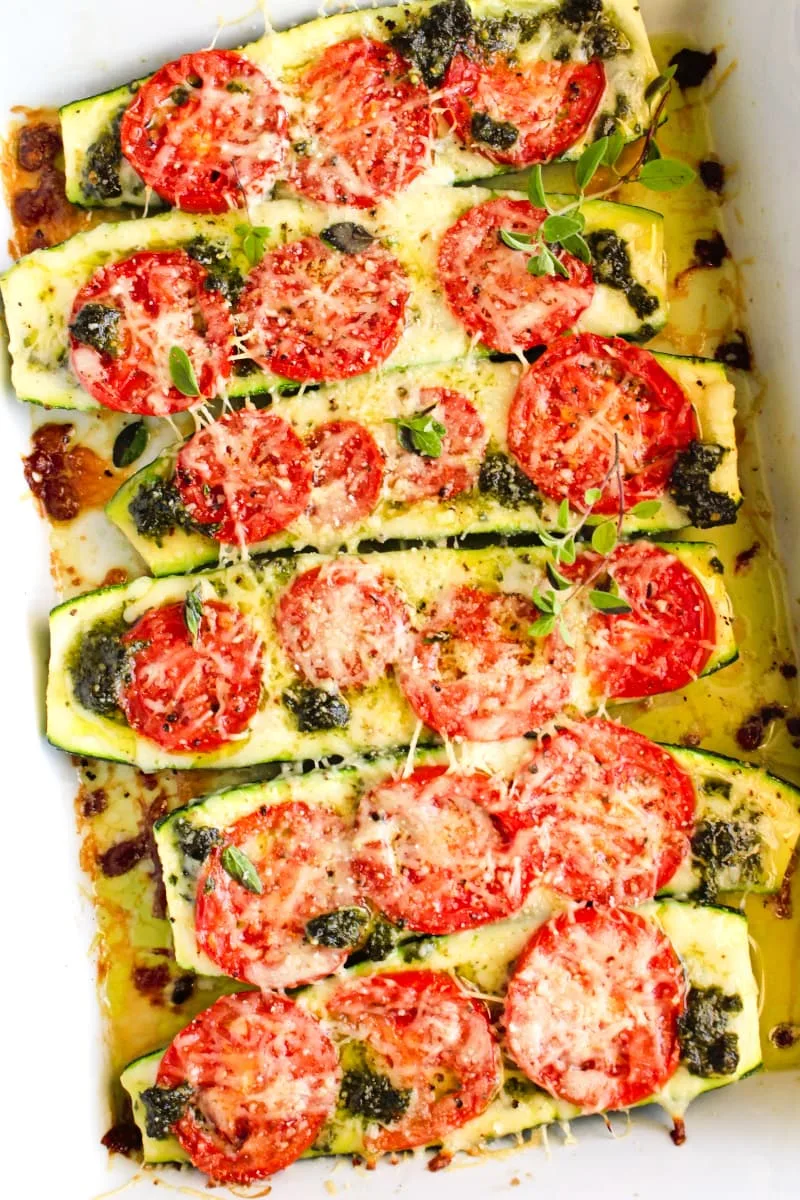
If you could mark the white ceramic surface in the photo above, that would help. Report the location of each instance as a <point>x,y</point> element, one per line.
<point>743,1142</point>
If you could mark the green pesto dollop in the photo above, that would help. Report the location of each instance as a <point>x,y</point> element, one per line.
<point>163,1107</point>
<point>223,276</point>
<point>367,1094</point>
<point>98,666</point>
<point>690,486</point>
<point>315,708</point>
<point>97,325</point>
<point>339,929</point>
<point>708,1048</point>
<point>100,176</point>
<point>611,262</point>
<point>501,478</point>
<point>732,848</point>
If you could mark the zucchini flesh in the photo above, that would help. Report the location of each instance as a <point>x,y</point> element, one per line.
<point>38,292</point>
<point>380,716</point>
<point>87,126</point>
<point>374,402</point>
<point>770,807</point>
<point>712,943</point>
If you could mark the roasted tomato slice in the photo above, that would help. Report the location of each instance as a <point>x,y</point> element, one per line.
<point>246,476</point>
<point>260,1077</point>
<point>412,476</point>
<point>489,288</point>
<point>521,112</point>
<point>192,692</point>
<point>207,132</point>
<point>604,813</point>
<point>310,312</point>
<point>592,1008</point>
<point>368,126</point>
<point>127,320</point>
<point>581,399</point>
<point>433,1042</point>
<point>348,474</point>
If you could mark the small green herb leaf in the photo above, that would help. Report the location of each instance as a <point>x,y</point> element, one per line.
<point>608,602</point>
<point>546,263</point>
<point>653,151</point>
<point>544,626</point>
<point>254,238</point>
<point>182,372</point>
<point>604,537</point>
<point>556,578</point>
<point>589,161</point>
<point>240,868</point>
<point>544,601</point>
<point>130,443</point>
<point>424,433</point>
<point>193,612</point>
<point>536,189</point>
<point>646,508</point>
<point>576,244</point>
<point>557,227</point>
<point>591,496</point>
<point>566,551</point>
<point>567,636</point>
<point>562,519</point>
<point>516,241</point>
<point>659,83</point>
<point>616,144</point>
<point>666,174</point>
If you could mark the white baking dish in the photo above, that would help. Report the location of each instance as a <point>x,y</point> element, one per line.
<point>742,1141</point>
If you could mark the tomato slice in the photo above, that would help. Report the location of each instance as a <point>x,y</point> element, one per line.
<point>547,104</point>
<point>605,813</point>
<point>192,694</point>
<point>368,127</point>
<point>309,312</point>
<point>411,476</point>
<point>247,474</point>
<point>343,623</point>
<point>592,1008</point>
<point>150,302</point>
<point>303,859</point>
<point>433,1041</point>
<point>348,474</point>
<point>431,858</point>
<point>666,639</point>
<point>491,292</point>
<point>576,399</point>
<point>476,673</point>
<point>262,1076</point>
<point>207,132</point>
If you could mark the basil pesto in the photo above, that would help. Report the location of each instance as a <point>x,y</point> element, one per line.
<point>611,262</point>
<point>690,486</point>
<point>163,1107</point>
<point>99,666</point>
<point>708,1048</point>
<point>97,325</point>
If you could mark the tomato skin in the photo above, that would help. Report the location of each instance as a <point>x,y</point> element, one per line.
<point>605,814</point>
<point>348,474</point>
<point>249,473</point>
<point>583,377</point>
<point>228,1056</point>
<point>207,147</point>
<point>342,622</point>
<point>411,477</point>
<point>489,289</point>
<point>665,642</point>
<point>549,103</point>
<point>585,1019</point>
<point>429,856</point>
<point>476,673</point>
<point>260,937</point>
<point>370,142</point>
<point>420,1026</point>
<point>145,286</point>
<point>187,706</point>
<point>310,313</point>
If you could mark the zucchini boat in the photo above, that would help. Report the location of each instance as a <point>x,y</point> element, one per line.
<point>98,175</point>
<point>360,611</point>
<point>38,292</point>
<point>711,942</point>
<point>500,500</point>
<point>745,827</point>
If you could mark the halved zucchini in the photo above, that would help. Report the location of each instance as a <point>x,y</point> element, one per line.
<point>379,714</point>
<point>492,506</point>
<point>738,806</point>
<point>38,292</point>
<point>98,175</point>
<point>712,943</point>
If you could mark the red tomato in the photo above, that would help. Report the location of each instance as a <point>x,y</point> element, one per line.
<point>665,641</point>
<point>430,857</point>
<point>573,401</point>
<point>348,473</point>
<point>308,312</point>
<point>263,1077</point>
<point>249,473</point>
<point>489,288</point>
<point>207,132</point>
<point>476,673</point>
<point>549,104</point>
<point>368,126</point>
<point>411,476</point>
<point>162,301</point>
<point>605,813</point>
<point>431,1039</point>
<point>592,1008</point>
<point>301,853</point>
<point>343,623</point>
<point>192,694</point>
